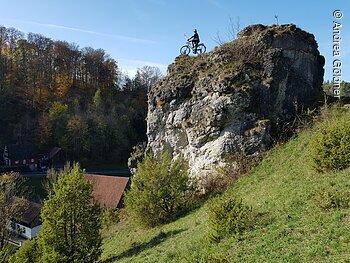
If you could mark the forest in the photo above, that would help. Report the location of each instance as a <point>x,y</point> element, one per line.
<point>54,93</point>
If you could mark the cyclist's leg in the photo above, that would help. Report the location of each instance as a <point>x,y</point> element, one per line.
<point>196,46</point>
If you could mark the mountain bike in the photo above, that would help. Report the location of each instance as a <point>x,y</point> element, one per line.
<point>186,49</point>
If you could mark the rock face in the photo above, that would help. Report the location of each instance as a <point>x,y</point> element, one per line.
<point>227,100</point>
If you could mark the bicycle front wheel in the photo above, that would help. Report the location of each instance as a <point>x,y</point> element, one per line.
<point>185,50</point>
<point>201,49</point>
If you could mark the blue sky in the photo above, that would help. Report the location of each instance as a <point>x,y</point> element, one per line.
<point>150,32</point>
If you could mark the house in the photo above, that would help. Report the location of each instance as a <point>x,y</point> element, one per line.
<point>57,157</point>
<point>108,191</point>
<point>30,224</point>
<point>21,155</point>
<point>26,156</point>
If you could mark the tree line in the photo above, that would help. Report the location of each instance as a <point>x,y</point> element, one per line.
<point>53,93</point>
<point>344,88</point>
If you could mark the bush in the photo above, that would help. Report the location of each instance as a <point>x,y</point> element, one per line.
<point>109,217</point>
<point>6,252</point>
<point>160,190</point>
<point>228,216</point>
<point>330,149</point>
<point>28,253</point>
<point>236,165</point>
<point>332,199</point>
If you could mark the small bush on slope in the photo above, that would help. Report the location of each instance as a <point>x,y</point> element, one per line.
<point>237,165</point>
<point>160,190</point>
<point>228,216</point>
<point>332,199</point>
<point>330,148</point>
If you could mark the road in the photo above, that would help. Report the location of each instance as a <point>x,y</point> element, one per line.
<point>125,172</point>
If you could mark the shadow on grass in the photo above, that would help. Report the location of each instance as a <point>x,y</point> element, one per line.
<point>138,248</point>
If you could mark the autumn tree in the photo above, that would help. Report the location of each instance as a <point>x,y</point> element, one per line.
<point>54,93</point>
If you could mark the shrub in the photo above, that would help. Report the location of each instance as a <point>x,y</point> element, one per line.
<point>28,253</point>
<point>6,252</point>
<point>332,199</point>
<point>330,149</point>
<point>109,217</point>
<point>236,165</point>
<point>160,190</point>
<point>228,216</point>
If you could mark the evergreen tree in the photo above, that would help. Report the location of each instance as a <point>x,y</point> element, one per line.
<point>71,221</point>
<point>161,190</point>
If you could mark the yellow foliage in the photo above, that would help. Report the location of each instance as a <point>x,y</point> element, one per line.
<point>63,84</point>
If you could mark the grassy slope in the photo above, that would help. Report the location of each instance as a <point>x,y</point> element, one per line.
<point>290,228</point>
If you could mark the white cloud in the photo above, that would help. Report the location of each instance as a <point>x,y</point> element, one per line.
<point>120,37</point>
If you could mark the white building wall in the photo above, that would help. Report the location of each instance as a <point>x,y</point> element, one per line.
<point>26,232</point>
<point>35,231</point>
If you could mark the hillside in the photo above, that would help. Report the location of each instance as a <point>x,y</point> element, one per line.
<point>55,94</point>
<point>236,97</point>
<point>289,228</point>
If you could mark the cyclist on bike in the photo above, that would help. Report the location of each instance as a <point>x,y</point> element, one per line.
<point>195,40</point>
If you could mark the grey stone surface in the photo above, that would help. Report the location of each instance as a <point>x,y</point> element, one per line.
<point>227,100</point>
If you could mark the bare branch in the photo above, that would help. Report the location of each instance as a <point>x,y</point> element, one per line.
<point>218,39</point>
<point>233,28</point>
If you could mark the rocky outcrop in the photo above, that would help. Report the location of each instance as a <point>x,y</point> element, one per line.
<point>227,100</point>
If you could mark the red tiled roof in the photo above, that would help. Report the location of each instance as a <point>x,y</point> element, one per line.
<point>107,190</point>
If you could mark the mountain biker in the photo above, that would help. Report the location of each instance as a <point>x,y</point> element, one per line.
<point>195,40</point>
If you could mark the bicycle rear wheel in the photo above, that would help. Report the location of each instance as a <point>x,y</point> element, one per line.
<point>201,49</point>
<point>185,50</point>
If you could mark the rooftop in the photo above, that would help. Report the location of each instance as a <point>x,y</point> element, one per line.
<point>108,190</point>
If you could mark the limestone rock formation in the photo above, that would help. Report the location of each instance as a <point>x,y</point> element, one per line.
<point>227,100</point>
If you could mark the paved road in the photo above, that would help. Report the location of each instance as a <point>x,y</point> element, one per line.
<point>113,172</point>
<point>33,174</point>
<point>125,172</point>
